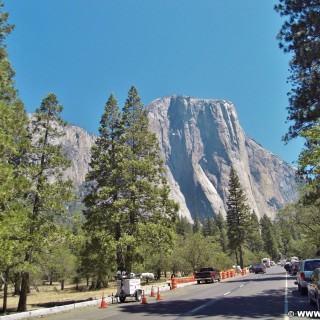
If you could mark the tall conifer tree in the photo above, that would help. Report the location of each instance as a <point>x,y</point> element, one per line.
<point>50,191</point>
<point>132,201</point>
<point>238,216</point>
<point>14,144</point>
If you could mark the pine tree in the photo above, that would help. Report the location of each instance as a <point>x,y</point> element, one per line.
<point>196,225</point>
<point>299,36</point>
<point>130,202</point>
<point>220,230</point>
<point>183,226</point>
<point>238,216</point>
<point>254,239</point>
<point>14,143</point>
<point>104,190</point>
<point>268,236</point>
<point>50,191</point>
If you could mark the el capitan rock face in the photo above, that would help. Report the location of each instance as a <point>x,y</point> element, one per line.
<point>200,140</point>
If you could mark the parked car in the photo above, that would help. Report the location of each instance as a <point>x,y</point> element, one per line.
<point>314,288</point>
<point>307,266</point>
<point>259,268</point>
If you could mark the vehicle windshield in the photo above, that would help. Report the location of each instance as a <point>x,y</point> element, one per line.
<point>311,265</point>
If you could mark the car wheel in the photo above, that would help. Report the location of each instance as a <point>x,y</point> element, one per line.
<point>304,291</point>
<point>198,281</point>
<point>138,295</point>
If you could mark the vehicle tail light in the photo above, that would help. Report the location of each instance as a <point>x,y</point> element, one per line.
<point>302,275</point>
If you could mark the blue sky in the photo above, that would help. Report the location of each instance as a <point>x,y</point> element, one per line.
<point>85,50</point>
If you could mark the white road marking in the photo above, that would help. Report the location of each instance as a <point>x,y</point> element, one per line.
<point>226,293</point>
<point>286,317</point>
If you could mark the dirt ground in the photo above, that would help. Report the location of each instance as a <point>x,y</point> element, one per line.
<point>50,296</point>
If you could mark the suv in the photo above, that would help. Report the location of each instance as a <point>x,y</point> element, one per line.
<point>303,276</point>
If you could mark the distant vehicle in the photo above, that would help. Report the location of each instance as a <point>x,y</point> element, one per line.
<point>259,268</point>
<point>314,288</point>
<point>251,268</point>
<point>303,276</point>
<point>294,267</point>
<point>266,261</point>
<point>272,263</point>
<point>208,274</point>
<point>287,266</point>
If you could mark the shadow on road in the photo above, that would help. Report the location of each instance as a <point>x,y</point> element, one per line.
<point>265,305</point>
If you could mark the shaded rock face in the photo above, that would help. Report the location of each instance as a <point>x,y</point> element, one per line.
<point>200,140</point>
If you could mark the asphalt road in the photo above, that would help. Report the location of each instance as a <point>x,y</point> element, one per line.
<point>261,296</point>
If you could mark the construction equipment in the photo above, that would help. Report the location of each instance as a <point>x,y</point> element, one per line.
<point>128,285</point>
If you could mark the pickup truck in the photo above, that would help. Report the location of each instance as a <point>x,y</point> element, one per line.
<point>207,275</point>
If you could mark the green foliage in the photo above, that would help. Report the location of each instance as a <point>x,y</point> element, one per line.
<point>183,226</point>
<point>221,226</point>
<point>197,251</point>
<point>254,240</point>
<point>299,36</point>
<point>49,191</point>
<point>269,237</point>
<point>238,216</point>
<point>196,225</point>
<point>127,201</point>
<point>309,165</point>
<point>300,229</point>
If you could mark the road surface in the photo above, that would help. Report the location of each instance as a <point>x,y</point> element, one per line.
<point>262,296</point>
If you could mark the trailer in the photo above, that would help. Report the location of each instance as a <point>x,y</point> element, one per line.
<point>128,285</point>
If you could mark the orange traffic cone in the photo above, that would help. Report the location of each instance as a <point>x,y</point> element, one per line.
<point>152,292</point>
<point>144,299</point>
<point>103,301</point>
<point>159,295</point>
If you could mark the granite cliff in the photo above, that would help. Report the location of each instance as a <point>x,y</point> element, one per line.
<point>200,139</point>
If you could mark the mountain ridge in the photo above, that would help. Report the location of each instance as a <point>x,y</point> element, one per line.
<point>200,139</point>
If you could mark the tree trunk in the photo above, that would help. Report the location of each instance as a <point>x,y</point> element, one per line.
<point>241,257</point>
<point>17,283</point>
<point>236,253</point>
<point>62,285</point>
<point>5,290</point>
<point>22,306</point>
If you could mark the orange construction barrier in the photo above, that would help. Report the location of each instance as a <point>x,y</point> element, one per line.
<point>144,299</point>
<point>159,295</point>
<point>103,301</point>
<point>152,292</point>
<point>174,283</point>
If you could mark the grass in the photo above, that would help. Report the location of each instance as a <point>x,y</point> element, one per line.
<point>49,296</point>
